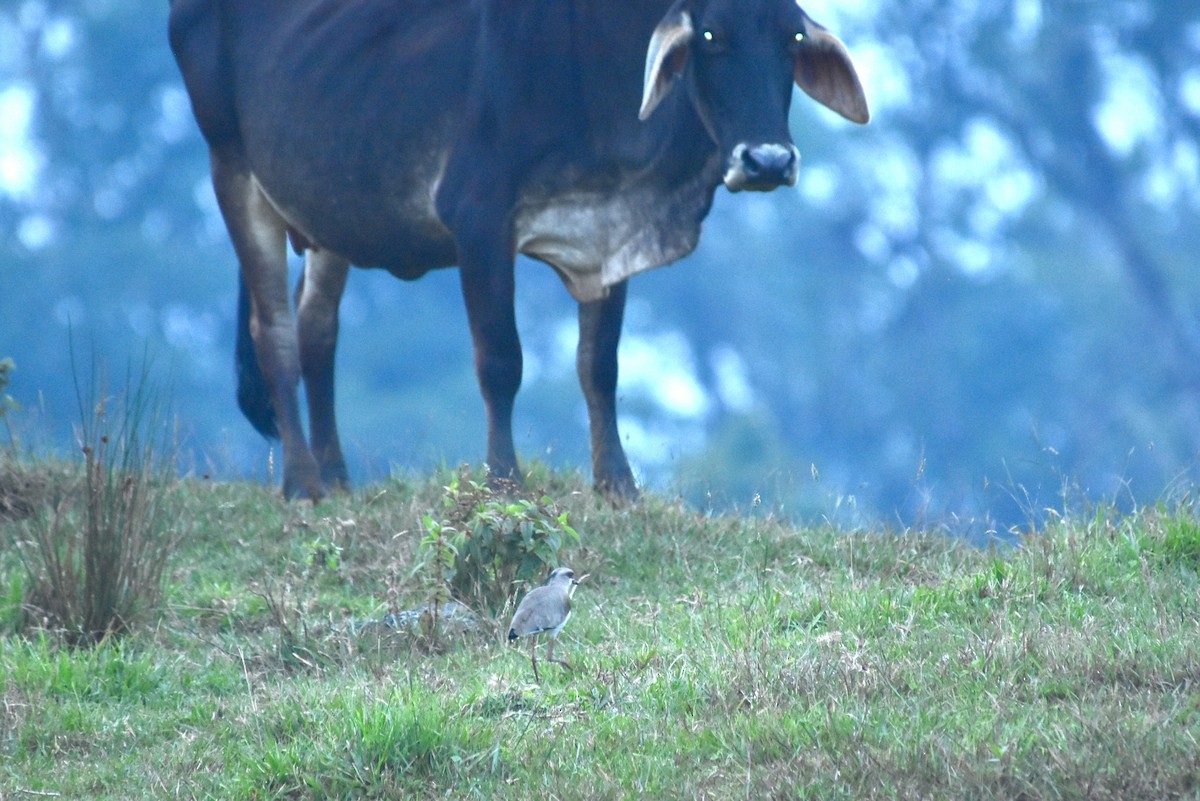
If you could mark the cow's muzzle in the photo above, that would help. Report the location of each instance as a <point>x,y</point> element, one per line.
<point>762,167</point>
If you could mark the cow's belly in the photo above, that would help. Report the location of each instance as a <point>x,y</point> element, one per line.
<point>401,233</point>
<point>370,202</point>
<point>597,240</point>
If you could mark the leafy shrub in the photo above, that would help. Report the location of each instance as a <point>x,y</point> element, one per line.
<point>484,542</point>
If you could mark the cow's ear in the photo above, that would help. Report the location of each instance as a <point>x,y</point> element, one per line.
<point>826,74</point>
<point>665,57</point>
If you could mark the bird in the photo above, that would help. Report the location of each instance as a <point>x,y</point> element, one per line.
<point>545,609</point>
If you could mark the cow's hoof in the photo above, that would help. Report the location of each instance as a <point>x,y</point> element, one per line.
<point>511,485</point>
<point>336,479</point>
<point>304,489</point>
<point>619,492</point>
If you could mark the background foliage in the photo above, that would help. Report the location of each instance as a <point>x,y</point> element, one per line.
<point>973,307</point>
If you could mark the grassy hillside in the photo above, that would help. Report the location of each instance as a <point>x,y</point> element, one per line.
<point>732,657</point>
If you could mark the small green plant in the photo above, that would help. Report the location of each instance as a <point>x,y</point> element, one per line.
<point>436,557</point>
<point>95,557</point>
<point>484,542</point>
<point>321,553</point>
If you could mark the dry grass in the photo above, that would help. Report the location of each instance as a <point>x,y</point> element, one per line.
<point>94,537</point>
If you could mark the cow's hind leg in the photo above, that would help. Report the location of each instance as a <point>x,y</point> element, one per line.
<point>259,238</point>
<point>596,363</point>
<point>317,304</point>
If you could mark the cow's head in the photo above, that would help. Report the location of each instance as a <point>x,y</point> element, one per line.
<point>740,58</point>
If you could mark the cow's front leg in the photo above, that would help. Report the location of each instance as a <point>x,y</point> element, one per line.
<point>317,301</point>
<point>486,269</point>
<point>596,363</point>
<point>259,238</point>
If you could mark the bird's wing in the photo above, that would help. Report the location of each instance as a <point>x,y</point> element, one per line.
<point>541,610</point>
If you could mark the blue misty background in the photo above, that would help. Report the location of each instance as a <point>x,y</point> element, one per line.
<point>979,306</point>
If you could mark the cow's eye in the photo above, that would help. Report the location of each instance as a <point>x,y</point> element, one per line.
<point>711,41</point>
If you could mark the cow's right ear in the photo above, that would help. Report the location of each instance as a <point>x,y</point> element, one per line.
<point>666,57</point>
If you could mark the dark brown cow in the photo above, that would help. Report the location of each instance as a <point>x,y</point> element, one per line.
<point>417,134</point>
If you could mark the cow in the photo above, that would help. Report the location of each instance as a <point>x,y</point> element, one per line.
<point>413,135</point>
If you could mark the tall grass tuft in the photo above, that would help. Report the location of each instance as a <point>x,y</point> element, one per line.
<point>95,556</point>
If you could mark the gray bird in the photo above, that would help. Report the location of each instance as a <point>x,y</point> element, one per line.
<point>545,609</point>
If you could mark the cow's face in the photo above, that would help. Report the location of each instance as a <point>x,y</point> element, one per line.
<point>739,59</point>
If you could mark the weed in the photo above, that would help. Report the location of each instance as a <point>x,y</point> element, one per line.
<point>321,554</point>
<point>434,571</point>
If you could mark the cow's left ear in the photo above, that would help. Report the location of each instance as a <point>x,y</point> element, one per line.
<point>826,74</point>
<point>666,57</point>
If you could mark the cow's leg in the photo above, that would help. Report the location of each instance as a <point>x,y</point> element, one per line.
<point>259,238</point>
<point>486,257</point>
<point>596,362</point>
<point>475,201</point>
<point>317,323</point>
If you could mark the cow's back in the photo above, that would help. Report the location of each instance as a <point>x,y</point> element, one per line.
<point>195,40</point>
<point>342,107</point>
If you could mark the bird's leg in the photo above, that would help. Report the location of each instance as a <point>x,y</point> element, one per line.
<point>533,657</point>
<point>550,655</point>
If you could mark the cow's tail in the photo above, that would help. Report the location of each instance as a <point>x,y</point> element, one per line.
<point>253,394</point>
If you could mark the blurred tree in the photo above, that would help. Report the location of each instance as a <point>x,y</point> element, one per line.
<point>102,237</point>
<point>1082,95</point>
<point>1057,138</point>
<point>1031,169</point>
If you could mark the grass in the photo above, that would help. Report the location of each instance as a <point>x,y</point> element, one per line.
<point>716,657</point>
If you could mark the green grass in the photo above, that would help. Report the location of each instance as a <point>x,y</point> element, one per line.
<point>716,657</point>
